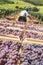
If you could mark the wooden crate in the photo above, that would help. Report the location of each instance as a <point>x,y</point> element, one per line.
<point>9,38</point>
<point>30,40</point>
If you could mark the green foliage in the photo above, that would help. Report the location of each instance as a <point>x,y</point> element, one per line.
<point>36,2</point>
<point>4,12</point>
<point>17,7</point>
<point>35,9</point>
<point>6,1</point>
<point>42,18</point>
<point>37,15</point>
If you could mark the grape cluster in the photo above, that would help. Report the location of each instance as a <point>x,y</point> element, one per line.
<point>9,23</point>
<point>6,21</point>
<point>32,54</point>
<point>25,26</point>
<point>33,27</point>
<point>9,52</point>
<point>20,23</point>
<point>6,24</point>
<point>11,31</point>
<point>33,35</point>
<point>21,34</point>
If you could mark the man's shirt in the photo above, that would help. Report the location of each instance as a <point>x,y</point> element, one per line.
<point>24,13</point>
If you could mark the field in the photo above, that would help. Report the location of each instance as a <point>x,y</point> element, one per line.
<point>37,2</point>
<point>11,7</point>
<point>17,3</point>
<point>40,9</point>
<point>20,4</point>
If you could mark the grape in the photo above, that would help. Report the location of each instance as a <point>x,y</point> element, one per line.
<point>8,55</point>
<point>33,35</point>
<point>32,53</point>
<point>33,27</point>
<point>12,32</point>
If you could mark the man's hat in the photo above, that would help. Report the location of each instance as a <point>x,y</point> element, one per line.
<point>27,8</point>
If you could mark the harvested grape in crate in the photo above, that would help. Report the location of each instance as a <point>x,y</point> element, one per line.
<point>11,32</point>
<point>9,51</point>
<point>32,54</point>
<point>33,35</point>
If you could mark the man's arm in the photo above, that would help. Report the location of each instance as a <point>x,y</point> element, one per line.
<point>29,17</point>
<point>27,14</point>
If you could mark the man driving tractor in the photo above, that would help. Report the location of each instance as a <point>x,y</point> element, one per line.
<point>24,15</point>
